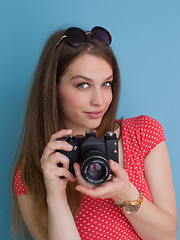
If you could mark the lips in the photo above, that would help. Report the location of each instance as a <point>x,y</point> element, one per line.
<point>94,114</point>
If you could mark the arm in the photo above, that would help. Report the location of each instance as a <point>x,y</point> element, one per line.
<point>60,221</point>
<point>26,209</point>
<point>153,221</point>
<point>157,220</point>
<point>61,224</point>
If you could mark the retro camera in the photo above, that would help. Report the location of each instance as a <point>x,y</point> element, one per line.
<point>92,154</point>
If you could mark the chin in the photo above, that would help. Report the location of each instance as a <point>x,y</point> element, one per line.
<point>94,125</point>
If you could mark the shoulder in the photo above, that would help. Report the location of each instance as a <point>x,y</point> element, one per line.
<point>141,119</point>
<point>142,131</point>
<point>142,123</point>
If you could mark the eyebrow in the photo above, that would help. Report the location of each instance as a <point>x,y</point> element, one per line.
<point>89,79</point>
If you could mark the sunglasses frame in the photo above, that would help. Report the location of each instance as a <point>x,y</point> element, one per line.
<point>65,36</point>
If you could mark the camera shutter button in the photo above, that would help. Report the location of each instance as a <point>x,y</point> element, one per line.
<point>75,148</point>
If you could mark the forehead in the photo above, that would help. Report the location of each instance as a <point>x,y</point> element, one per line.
<point>91,65</point>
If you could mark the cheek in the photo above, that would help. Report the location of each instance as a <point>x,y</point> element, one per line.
<point>72,100</point>
<point>108,98</point>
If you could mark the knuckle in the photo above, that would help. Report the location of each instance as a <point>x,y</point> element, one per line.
<point>61,157</point>
<point>62,144</point>
<point>49,145</point>
<point>53,136</point>
<point>46,171</point>
<point>57,155</point>
<point>42,162</point>
<point>65,144</point>
<point>63,172</point>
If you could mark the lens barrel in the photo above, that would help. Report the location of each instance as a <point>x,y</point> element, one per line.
<point>95,167</point>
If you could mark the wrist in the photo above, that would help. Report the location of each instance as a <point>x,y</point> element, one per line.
<point>131,206</point>
<point>58,197</point>
<point>130,194</point>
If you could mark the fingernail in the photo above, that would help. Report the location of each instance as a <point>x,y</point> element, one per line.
<point>75,165</point>
<point>77,188</point>
<point>70,146</point>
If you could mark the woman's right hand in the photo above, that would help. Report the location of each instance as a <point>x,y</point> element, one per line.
<point>49,160</point>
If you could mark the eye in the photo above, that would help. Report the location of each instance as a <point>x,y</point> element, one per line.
<point>107,84</point>
<point>83,85</point>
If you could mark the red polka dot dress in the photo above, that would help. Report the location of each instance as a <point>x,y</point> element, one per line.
<point>19,187</point>
<point>101,218</point>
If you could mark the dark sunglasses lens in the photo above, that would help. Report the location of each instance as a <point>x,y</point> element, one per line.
<point>75,37</point>
<point>102,35</point>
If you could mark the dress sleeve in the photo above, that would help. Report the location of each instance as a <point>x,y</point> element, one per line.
<point>19,187</point>
<point>152,133</point>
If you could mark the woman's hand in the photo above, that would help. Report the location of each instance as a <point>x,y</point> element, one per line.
<point>50,159</point>
<point>80,178</point>
<point>119,188</point>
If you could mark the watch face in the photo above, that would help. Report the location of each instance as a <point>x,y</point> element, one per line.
<point>130,208</point>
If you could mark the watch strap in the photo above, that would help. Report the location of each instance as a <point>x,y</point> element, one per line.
<point>130,207</point>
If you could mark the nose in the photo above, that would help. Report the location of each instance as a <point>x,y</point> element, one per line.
<point>97,98</point>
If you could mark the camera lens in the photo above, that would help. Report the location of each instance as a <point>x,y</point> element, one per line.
<point>96,172</point>
<point>95,167</point>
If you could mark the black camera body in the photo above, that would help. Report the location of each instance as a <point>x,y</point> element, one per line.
<point>92,154</point>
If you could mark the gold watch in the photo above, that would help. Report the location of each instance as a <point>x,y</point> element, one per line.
<point>130,207</point>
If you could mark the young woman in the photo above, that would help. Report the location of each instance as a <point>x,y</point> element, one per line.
<point>76,89</point>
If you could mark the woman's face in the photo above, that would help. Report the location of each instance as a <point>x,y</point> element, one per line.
<point>85,93</point>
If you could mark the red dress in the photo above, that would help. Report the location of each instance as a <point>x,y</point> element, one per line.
<point>101,218</point>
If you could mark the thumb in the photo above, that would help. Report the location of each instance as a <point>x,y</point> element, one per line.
<point>116,168</point>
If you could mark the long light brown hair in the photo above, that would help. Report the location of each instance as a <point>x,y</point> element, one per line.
<point>43,118</point>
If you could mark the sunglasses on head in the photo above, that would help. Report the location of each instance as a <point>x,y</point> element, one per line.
<point>75,37</point>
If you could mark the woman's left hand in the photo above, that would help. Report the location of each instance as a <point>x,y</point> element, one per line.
<point>119,188</point>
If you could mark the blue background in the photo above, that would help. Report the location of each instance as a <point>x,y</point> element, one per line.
<point>146,40</point>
